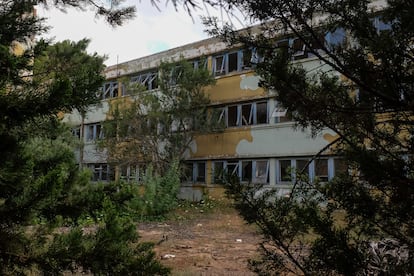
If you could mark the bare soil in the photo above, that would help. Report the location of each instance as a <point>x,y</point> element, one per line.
<point>207,238</point>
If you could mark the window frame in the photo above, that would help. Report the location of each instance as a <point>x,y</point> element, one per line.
<point>149,80</point>
<point>110,89</point>
<point>94,132</point>
<point>226,64</point>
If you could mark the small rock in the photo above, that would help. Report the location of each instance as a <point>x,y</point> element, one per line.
<point>168,256</point>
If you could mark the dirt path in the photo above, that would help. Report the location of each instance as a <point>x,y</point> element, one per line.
<point>195,242</point>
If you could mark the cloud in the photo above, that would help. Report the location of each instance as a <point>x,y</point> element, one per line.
<point>150,32</point>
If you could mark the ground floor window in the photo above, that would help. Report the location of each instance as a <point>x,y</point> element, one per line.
<point>194,172</point>
<point>248,171</point>
<point>101,172</point>
<point>132,173</point>
<point>320,169</point>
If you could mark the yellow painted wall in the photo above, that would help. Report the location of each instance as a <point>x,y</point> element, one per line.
<point>227,89</point>
<point>220,145</point>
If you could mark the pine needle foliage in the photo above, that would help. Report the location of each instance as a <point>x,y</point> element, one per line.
<point>363,91</point>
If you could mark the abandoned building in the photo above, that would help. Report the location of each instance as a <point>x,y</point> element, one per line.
<point>259,142</point>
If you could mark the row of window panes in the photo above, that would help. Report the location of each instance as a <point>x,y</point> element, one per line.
<point>132,173</point>
<point>252,113</point>
<point>235,61</point>
<point>194,172</point>
<point>248,171</point>
<point>110,90</point>
<point>223,64</point>
<point>320,169</point>
<point>92,132</point>
<point>245,59</point>
<point>245,114</point>
<point>101,172</point>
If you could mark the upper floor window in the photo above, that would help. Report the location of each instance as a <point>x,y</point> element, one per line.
<point>110,90</point>
<point>147,81</point>
<point>199,63</point>
<point>76,132</point>
<point>94,132</point>
<point>253,113</point>
<point>281,114</point>
<point>298,49</point>
<point>335,38</point>
<point>233,61</point>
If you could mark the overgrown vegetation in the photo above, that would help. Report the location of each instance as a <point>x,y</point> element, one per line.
<point>44,197</point>
<point>158,195</point>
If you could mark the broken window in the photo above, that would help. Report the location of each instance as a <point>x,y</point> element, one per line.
<point>261,171</point>
<point>110,90</point>
<point>261,113</point>
<point>298,49</point>
<point>233,61</point>
<point>232,116</point>
<point>281,114</point>
<point>147,81</point>
<point>285,170</point>
<point>194,172</point>
<point>101,172</point>
<point>248,59</point>
<point>199,63</point>
<point>247,167</point>
<point>247,114</point>
<point>94,132</point>
<point>221,116</point>
<point>186,172</point>
<point>302,169</point>
<point>218,173</point>
<point>220,65</point>
<point>132,173</point>
<point>76,132</point>
<point>321,169</point>
<point>232,168</point>
<point>200,172</point>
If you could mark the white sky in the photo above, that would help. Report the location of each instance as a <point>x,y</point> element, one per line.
<point>150,32</point>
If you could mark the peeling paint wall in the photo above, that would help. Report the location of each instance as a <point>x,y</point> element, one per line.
<point>266,142</point>
<point>259,142</point>
<point>236,87</point>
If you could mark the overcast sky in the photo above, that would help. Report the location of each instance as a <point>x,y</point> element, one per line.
<point>150,32</point>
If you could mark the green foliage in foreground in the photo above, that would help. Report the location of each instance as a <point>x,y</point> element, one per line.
<point>44,197</point>
<point>159,194</point>
<point>352,74</point>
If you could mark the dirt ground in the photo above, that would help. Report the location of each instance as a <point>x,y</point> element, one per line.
<point>203,239</point>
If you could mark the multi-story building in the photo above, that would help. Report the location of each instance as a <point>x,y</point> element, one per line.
<point>259,143</point>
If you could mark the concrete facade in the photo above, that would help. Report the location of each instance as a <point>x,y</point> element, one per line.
<point>259,143</point>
